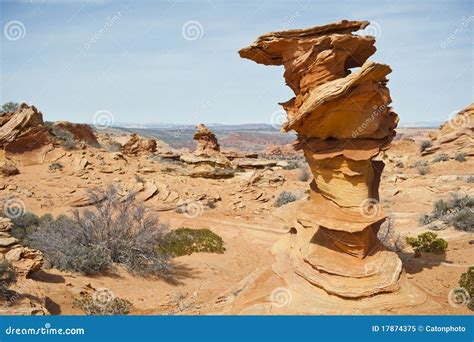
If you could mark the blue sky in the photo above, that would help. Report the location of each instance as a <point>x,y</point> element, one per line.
<point>74,58</point>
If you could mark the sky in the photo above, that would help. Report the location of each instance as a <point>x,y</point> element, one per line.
<point>177,61</point>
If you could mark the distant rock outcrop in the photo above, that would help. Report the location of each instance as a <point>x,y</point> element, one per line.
<point>24,130</point>
<point>206,141</point>
<point>207,161</point>
<point>455,135</point>
<point>80,132</point>
<point>136,145</point>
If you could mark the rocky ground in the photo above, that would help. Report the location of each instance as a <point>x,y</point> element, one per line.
<point>233,194</point>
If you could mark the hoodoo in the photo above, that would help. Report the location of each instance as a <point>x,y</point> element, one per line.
<point>342,116</point>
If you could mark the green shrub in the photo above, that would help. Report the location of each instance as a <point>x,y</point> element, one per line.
<point>9,107</point>
<point>467,282</point>
<point>440,158</point>
<point>427,242</point>
<point>185,241</point>
<point>116,306</point>
<point>7,277</point>
<point>460,157</point>
<point>285,197</point>
<point>425,144</point>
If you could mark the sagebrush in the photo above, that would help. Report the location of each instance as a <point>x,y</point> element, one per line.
<point>116,230</point>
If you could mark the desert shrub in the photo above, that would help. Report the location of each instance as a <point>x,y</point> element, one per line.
<point>116,230</point>
<point>460,157</point>
<point>9,107</point>
<point>185,241</point>
<point>440,157</point>
<point>285,197</point>
<point>457,211</point>
<point>55,166</point>
<point>425,144</point>
<point>423,169</point>
<point>470,179</point>
<point>114,147</point>
<point>399,164</point>
<point>24,225</point>
<point>389,237</point>
<point>427,242</point>
<point>463,219</point>
<point>420,163</point>
<point>7,277</point>
<point>304,174</point>
<point>115,306</point>
<point>467,282</point>
<point>291,165</point>
<point>67,138</point>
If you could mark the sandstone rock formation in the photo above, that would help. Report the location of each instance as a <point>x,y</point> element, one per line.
<point>28,298</point>
<point>80,132</point>
<point>207,161</point>
<point>136,145</point>
<point>206,141</point>
<point>24,130</point>
<point>455,135</point>
<point>343,120</point>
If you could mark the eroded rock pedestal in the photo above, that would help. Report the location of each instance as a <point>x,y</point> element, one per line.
<point>343,120</point>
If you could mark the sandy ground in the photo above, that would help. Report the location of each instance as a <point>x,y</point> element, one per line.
<point>202,278</point>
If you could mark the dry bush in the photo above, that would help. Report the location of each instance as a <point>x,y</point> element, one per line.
<point>389,237</point>
<point>285,197</point>
<point>117,230</point>
<point>425,144</point>
<point>116,306</point>
<point>7,277</point>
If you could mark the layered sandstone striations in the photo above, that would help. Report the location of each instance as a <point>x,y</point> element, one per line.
<point>23,130</point>
<point>455,135</point>
<point>343,119</point>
